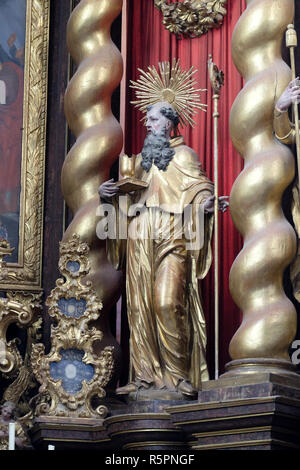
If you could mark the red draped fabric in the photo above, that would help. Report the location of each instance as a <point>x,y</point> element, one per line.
<point>147,43</point>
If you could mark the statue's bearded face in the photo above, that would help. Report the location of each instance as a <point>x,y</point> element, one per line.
<point>156,122</point>
<point>156,148</point>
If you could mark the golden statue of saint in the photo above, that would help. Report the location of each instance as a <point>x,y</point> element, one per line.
<point>170,223</point>
<point>285,132</point>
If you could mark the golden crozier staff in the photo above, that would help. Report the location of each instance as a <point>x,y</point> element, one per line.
<point>216,77</point>
<point>292,43</point>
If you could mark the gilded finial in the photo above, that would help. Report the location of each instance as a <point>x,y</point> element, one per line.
<point>291,36</point>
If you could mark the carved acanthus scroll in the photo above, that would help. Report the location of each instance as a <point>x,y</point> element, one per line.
<point>20,308</point>
<point>191,18</point>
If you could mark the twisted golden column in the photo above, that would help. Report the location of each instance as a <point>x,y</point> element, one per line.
<point>256,277</point>
<point>99,137</point>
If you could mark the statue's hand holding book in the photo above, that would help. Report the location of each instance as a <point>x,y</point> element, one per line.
<point>128,182</point>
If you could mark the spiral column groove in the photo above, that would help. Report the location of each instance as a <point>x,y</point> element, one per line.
<point>256,278</point>
<point>99,137</point>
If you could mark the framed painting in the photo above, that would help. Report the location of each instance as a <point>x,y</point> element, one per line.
<point>24,38</point>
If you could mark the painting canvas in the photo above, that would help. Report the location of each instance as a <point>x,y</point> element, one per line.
<point>12,58</point>
<point>24,46</point>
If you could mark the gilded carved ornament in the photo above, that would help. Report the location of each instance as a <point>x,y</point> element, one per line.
<point>72,373</point>
<point>20,308</point>
<point>216,76</point>
<point>22,390</point>
<point>191,18</point>
<point>172,84</point>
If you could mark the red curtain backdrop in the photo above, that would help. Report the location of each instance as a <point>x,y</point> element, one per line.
<point>147,43</point>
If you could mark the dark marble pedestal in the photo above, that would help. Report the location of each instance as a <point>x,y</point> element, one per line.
<point>258,411</point>
<point>69,434</point>
<point>145,425</point>
<point>248,412</point>
<point>136,425</point>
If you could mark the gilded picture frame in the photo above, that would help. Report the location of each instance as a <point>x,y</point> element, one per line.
<point>25,272</point>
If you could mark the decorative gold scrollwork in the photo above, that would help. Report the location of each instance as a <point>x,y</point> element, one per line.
<point>72,373</point>
<point>18,307</point>
<point>191,18</point>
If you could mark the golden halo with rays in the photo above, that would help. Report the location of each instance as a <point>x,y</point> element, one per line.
<point>171,84</point>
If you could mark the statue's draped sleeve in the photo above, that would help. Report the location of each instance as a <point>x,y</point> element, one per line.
<point>116,246</point>
<point>199,262</point>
